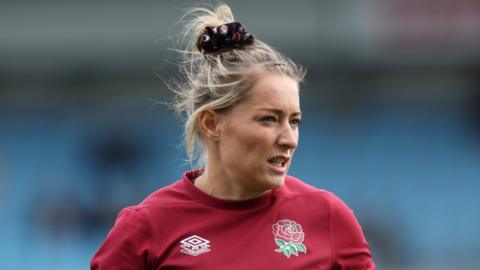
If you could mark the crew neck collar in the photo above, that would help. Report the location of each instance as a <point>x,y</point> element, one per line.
<point>188,179</point>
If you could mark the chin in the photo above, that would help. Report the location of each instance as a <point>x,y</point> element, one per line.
<point>276,181</point>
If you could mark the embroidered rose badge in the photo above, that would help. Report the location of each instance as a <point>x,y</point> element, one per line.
<point>289,237</point>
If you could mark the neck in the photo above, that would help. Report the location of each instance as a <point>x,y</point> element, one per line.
<point>217,184</point>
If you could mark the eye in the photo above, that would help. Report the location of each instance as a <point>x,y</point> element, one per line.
<point>295,122</point>
<point>268,119</point>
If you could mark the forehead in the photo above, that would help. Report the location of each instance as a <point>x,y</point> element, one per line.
<point>275,91</point>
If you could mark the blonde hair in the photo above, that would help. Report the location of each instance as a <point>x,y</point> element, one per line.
<point>218,81</point>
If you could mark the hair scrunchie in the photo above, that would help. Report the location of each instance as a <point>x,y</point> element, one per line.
<point>223,37</point>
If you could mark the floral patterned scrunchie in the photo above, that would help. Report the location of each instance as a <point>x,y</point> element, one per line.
<point>223,37</point>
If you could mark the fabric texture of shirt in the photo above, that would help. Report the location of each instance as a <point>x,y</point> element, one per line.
<point>296,226</point>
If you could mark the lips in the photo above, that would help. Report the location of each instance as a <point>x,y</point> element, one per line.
<point>279,164</point>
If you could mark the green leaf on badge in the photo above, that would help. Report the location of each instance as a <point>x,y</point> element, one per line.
<point>280,243</point>
<point>289,248</point>
<point>293,250</point>
<point>301,248</point>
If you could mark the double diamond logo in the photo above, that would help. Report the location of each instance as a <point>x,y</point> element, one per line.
<point>194,245</point>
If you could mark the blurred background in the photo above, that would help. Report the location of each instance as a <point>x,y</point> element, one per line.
<point>391,120</point>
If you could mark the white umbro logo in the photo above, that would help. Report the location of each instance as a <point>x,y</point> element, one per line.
<point>194,245</point>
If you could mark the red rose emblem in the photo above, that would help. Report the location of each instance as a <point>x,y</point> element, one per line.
<point>288,231</point>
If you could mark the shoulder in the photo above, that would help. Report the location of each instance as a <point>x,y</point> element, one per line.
<point>159,203</point>
<point>170,195</point>
<point>295,187</point>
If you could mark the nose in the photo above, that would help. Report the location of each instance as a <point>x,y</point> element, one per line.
<point>288,136</point>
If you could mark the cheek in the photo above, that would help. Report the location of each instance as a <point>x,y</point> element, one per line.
<point>245,146</point>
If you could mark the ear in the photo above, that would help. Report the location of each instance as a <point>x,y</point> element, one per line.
<point>209,122</point>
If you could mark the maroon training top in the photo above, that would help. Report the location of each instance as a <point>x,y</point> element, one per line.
<point>180,227</point>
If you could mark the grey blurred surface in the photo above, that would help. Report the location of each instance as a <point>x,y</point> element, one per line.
<point>391,105</point>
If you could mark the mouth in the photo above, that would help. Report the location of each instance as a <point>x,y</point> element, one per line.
<point>279,164</point>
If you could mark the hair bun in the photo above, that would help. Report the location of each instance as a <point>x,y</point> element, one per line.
<point>224,37</point>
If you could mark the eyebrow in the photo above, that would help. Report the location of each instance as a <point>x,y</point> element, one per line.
<point>280,112</point>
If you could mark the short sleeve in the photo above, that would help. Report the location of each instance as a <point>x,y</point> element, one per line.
<point>351,250</point>
<point>126,245</point>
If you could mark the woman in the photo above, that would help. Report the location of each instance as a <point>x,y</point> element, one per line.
<point>242,211</point>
